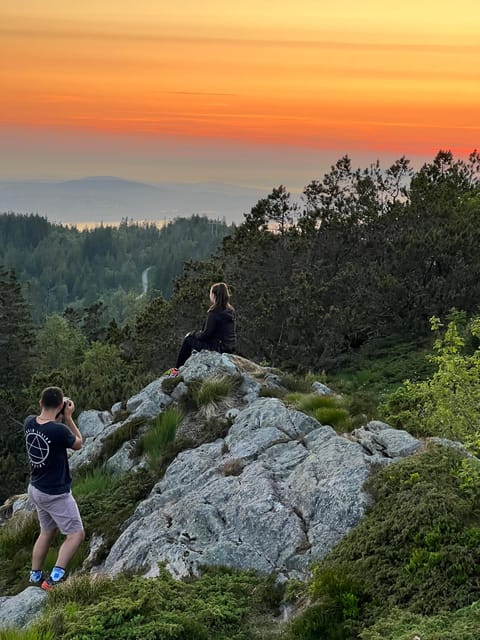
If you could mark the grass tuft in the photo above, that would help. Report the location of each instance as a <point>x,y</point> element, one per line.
<point>97,480</point>
<point>155,442</point>
<point>128,431</point>
<point>213,390</point>
<point>169,384</point>
<point>328,410</point>
<point>26,634</point>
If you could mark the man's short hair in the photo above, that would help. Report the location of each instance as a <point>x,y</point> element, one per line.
<point>51,397</point>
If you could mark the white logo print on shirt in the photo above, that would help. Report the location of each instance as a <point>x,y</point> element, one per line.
<point>37,448</point>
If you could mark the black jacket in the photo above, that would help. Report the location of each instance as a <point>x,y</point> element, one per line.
<point>219,330</point>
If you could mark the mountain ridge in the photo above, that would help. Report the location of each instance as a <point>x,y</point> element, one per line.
<point>109,198</point>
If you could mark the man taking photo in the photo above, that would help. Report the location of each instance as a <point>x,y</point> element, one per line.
<point>47,437</point>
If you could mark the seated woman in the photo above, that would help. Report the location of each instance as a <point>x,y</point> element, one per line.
<point>218,333</point>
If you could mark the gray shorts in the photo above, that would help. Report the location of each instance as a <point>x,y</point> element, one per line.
<point>56,512</point>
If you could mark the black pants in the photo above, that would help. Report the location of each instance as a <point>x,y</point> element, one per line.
<point>191,343</point>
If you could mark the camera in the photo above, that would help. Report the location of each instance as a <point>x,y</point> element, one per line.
<point>62,410</point>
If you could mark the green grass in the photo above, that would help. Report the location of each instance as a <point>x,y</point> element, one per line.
<point>463,624</point>
<point>266,392</point>
<point>328,410</point>
<point>169,384</point>
<point>26,634</point>
<point>161,434</point>
<point>301,383</point>
<point>213,390</point>
<point>202,393</point>
<point>221,604</point>
<point>371,375</point>
<point>105,511</point>
<point>17,538</point>
<point>97,480</point>
<point>126,432</point>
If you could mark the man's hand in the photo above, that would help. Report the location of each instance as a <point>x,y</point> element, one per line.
<point>69,422</point>
<point>69,408</point>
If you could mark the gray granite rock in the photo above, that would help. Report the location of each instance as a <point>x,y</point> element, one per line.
<point>379,438</point>
<point>180,390</point>
<point>321,389</point>
<point>150,401</point>
<point>121,461</point>
<point>277,493</point>
<point>205,364</point>
<point>22,609</point>
<point>116,408</point>
<point>91,423</point>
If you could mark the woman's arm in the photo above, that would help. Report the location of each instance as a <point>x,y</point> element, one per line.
<point>209,329</point>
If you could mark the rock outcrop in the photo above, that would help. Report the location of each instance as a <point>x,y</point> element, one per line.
<point>279,491</point>
<point>22,609</point>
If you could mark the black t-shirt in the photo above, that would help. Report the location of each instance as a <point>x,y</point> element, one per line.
<point>47,446</point>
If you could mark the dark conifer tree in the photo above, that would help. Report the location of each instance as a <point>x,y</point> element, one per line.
<point>16,334</point>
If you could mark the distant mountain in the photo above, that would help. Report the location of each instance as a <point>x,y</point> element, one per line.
<point>108,199</point>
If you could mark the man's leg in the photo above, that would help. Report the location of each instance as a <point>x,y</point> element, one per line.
<point>69,547</point>
<point>40,548</point>
<point>64,511</point>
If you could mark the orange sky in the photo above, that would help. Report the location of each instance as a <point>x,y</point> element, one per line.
<point>215,90</point>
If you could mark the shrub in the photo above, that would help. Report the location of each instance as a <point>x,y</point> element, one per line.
<point>402,625</point>
<point>219,605</point>
<point>448,403</point>
<point>417,548</point>
<point>336,613</point>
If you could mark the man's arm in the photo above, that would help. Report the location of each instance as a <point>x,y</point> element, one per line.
<point>69,422</point>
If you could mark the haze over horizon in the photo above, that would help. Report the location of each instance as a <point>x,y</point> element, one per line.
<point>252,95</point>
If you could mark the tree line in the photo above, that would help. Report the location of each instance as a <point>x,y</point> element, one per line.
<point>368,256</point>
<point>61,266</point>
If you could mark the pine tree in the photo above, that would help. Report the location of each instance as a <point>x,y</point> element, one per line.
<point>16,345</point>
<point>16,334</point>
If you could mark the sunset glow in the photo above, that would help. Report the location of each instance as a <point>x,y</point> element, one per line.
<point>323,78</point>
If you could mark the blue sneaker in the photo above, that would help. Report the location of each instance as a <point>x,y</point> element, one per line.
<point>36,577</point>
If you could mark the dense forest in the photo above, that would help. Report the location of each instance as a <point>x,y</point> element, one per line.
<point>360,266</point>
<point>365,261</point>
<point>60,266</point>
